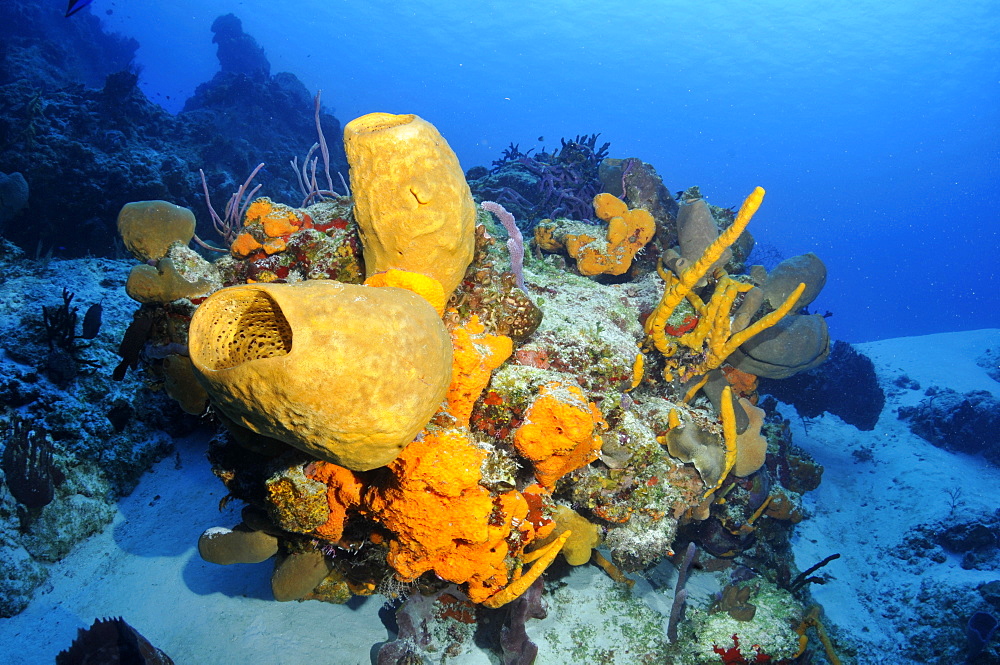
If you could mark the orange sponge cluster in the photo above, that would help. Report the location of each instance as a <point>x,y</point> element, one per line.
<point>628,231</point>
<point>431,499</point>
<point>444,521</point>
<point>561,432</point>
<point>276,223</point>
<point>343,493</point>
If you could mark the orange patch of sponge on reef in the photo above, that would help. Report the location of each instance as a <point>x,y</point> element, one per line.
<point>628,231</point>
<point>443,520</point>
<point>343,493</point>
<point>277,221</point>
<point>561,432</point>
<point>475,356</point>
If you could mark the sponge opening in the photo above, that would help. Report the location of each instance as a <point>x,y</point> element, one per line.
<point>247,326</point>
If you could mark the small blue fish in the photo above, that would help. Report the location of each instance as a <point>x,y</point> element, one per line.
<point>76,5</point>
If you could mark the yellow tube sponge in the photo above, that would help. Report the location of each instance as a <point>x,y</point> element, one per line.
<point>347,373</point>
<point>413,206</point>
<point>729,436</point>
<point>675,292</point>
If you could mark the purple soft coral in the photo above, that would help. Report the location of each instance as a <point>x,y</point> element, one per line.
<point>515,242</point>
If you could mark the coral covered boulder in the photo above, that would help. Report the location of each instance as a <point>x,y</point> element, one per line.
<point>845,385</point>
<point>148,228</point>
<point>963,422</point>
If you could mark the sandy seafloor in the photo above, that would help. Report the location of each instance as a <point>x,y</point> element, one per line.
<point>145,566</point>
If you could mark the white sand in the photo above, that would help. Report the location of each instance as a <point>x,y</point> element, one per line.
<point>863,510</point>
<point>145,566</point>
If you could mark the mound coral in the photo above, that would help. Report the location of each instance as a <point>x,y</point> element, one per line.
<point>162,283</point>
<point>148,228</point>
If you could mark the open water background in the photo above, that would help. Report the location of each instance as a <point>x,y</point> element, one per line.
<point>874,125</point>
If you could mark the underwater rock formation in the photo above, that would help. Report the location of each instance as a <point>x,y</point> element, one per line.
<point>87,140</point>
<point>13,196</point>
<point>111,641</point>
<point>967,423</point>
<point>845,385</point>
<point>93,438</point>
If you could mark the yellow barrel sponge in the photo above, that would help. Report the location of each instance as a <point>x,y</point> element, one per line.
<point>347,373</point>
<point>411,201</point>
<point>148,228</point>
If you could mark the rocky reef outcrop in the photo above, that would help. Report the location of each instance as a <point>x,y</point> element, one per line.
<point>962,422</point>
<point>845,386</point>
<point>76,125</point>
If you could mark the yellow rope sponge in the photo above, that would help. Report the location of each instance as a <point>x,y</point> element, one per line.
<point>677,291</point>
<point>728,435</point>
<point>413,206</point>
<point>543,558</point>
<point>763,323</point>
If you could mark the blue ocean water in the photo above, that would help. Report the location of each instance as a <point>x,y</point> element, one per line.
<point>873,125</point>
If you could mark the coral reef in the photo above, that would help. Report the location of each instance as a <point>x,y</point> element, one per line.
<point>406,409</point>
<point>86,139</point>
<point>544,185</point>
<point>148,228</point>
<point>967,423</point>
<point>406,406</point>
<point>88,436</point>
